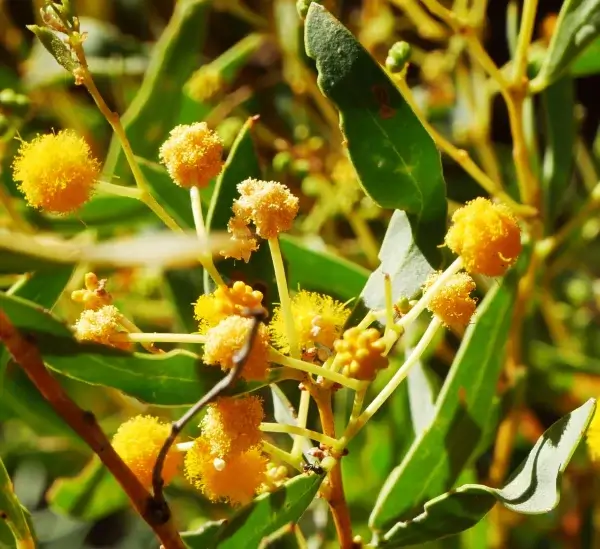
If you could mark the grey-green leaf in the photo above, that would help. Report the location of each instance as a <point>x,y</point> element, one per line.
<point>395,158</point>
<point>57,48</point>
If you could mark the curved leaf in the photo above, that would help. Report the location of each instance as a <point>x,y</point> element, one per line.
<point>203,537</point>
<point>533,489</point>
<point>395,158</point>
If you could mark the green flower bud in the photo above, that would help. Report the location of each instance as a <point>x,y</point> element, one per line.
<point>282,161</point>
<point>398,57</point>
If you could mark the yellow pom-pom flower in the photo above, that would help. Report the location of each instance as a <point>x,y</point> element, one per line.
<point>56,172</point>
<point>453,302</point>
<point>235,481</point>
<point>225,301</point>
<point>138,442</point>
<point>269,205</point>
<point>318,320</point>
<point>192,155</point>
<point>231,425</point>
<point>361,353</point>
<point>228,337</point>
<point>100,325</point>
<point>486,236</point>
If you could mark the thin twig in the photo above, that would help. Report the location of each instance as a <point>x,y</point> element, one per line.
<point>239,360</point>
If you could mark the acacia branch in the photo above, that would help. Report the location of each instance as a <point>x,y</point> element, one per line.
<point>25,353</point>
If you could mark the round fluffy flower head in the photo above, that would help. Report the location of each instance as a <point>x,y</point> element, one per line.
<point>56,172</point>
<point>318,319</point>
<point>453,303</point>
<point>486,236</point>
<point>225,301</point>
<point>361,353</point>
<point>94,296</point>
<point>228,337</point>
<point>235,480</point>
<point>267,204</point>
<point>192,155</point>
<point>138,442</point>
<point>100,325</point>
<point>231,425</point>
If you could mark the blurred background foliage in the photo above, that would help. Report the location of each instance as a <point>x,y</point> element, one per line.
<point>245,58</point>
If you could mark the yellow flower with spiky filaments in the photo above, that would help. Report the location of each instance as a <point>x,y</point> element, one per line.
<point>56,172</point>
<point>486,236</point>
<point>236,480</point>
<point>100,325</point>
<point>268,204</point>
<point>453,303</point>
<point>138,442</point>
<point>231,425</point>
<point>360,352</point>
<point>228,337</point>
<point>192,155</point>
<point>318,320</point>
<point>225,301</point>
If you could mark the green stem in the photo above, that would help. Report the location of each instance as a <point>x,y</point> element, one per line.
<point>119,190</point>
<point>295,430</point>
<point>282,455</point>
<point>524,40</point>
<point>159,338</point>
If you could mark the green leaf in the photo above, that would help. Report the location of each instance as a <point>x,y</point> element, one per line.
<point>203,537</point>
<point>396,159</point>
<point>11,511</point>
<point>344,279</point>
<point>422,393</point>
<point>160,96</point>
<point>176,378</point>
<point>463,408</point>
<point>533,488</point>
<point>558,103</point>
<point>91,495</point>
<point>588,61</point>
<point>57,48</point>
<point>576,28</point>
<point>402,260</point>
<point>185,286</point>
<point>268,513</point>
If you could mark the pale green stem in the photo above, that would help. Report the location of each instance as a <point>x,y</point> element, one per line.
<point>133,329</point>
<point>282,455</point>
<point>359,398</point>
<point>303,408</point>
<point>525,33</point>
<point>119,190</point>
<point>295,430</point>
<point>205,259</point>
<point>355,426</point>
<point>279,358</point>
<point>160,338</point>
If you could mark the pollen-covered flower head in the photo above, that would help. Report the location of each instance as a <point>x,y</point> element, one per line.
<point>228,337</point>
<point>56,172</point>
<point>192,155</point>
<point>269,205</point>
<point>318,320</point>
<point>138,442</point>
<point>235,480</point>
<point>486,236</point>
<point>243,242</point>
<point>100,325</point>
<point>231,425</point>
<point>361,353</point>
<point>225,301</point>
<point>453,302</point>
<point>94,296</point>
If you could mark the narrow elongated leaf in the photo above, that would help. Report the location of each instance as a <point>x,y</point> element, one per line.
<point>577,26</point>
<point>91,495</point>
<point>558,102</point>
<point>11,511</point>
<point>395,158</point>
<point>173,60</point>
<point>463,408</point>
<point>588,61</point>
<point>203,537</point>
<point>533,489</point>
<point>176,378</point>
<point>268,513</point>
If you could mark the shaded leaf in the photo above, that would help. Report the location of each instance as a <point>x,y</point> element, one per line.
<point>533,488</point>
<point>395,158</point>
<point>91,495</point>
<point>588,62</point>
<point>268,513</point>
<point>463,409</point>
<point>185,286</point>
<point>203,537</point>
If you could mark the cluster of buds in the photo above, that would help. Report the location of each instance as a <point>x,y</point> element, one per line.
<point>361,353</point>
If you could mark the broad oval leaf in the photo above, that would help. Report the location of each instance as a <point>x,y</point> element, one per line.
<point>533,488</point>
<point>268,513</point>
<point>395,158</point>
<point>463,409</point>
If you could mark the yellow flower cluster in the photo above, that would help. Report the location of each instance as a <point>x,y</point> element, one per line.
<point>453,303</point>
<point>56,172</point>
<point>226,462</point>
<point>360,352</point>
<point>94,295</point>
<point>138,442</point>
<point>192,155</point>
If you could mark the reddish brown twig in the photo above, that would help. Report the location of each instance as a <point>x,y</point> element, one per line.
<point>26,354</point>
